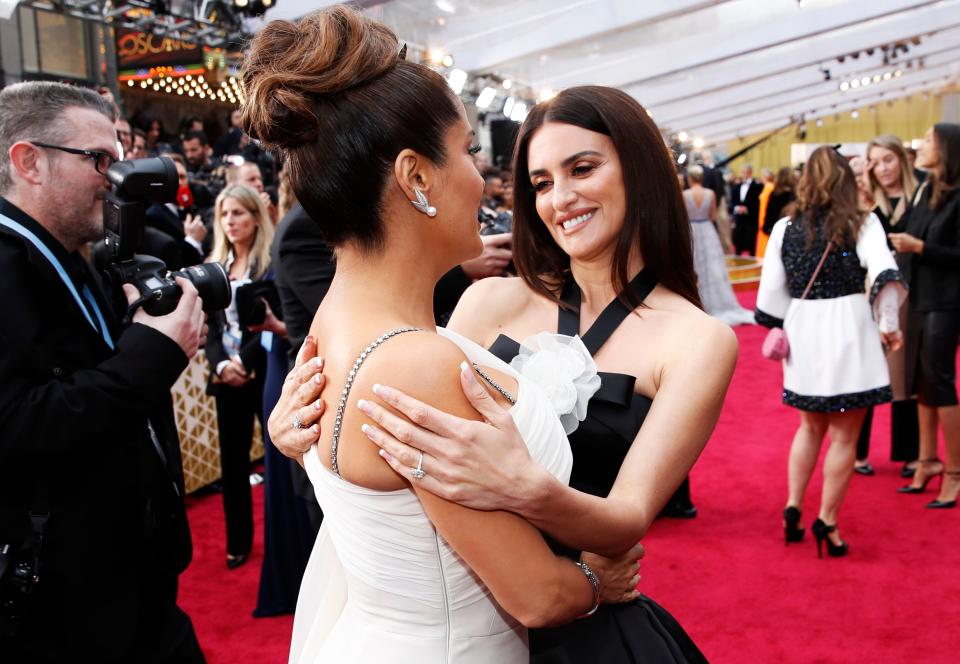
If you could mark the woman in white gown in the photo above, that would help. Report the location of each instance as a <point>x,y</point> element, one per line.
<point>399,575</point>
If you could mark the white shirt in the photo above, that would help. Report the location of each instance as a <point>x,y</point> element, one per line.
<point>744,187</point>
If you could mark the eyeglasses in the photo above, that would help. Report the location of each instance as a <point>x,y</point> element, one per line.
<point>101,160</point>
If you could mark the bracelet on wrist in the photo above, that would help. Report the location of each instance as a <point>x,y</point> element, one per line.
<point>595,582</point>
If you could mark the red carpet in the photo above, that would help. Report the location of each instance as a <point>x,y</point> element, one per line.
<point>726,575</point>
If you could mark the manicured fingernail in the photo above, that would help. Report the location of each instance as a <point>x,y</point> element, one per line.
<point>318,362</point>
<point>378,389</point>
<point>464,368</point>
<point>317,405</point>
<point>366,428</point>
<point>315,429</point>
<point>386,455</point>
<point>316,379</point>
<point>364,405</point>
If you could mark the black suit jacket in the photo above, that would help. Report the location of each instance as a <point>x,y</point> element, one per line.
<point>252,354</point>
<point>751,201</point>
<point>934,275</point>
<point>161,218</point>
<point>303,267</point>
<point>74,435</point>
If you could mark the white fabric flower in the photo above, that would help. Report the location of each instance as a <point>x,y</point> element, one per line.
<point>563,369</point>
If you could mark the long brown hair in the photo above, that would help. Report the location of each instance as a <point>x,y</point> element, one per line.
<point>786,180</point>
<point>656,224</point>
<point>333,95</point>
<point>908,181</point>
<point>946,175</point>
<point>827,195</point>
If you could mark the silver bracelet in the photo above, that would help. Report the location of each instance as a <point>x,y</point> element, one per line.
<point>595,582</point>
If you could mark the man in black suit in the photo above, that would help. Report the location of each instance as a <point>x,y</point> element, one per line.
<point>187,230</point>
<point>745,202</point>
<point>91,483</point>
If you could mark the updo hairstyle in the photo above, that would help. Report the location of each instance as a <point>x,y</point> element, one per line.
<point>331,94</point>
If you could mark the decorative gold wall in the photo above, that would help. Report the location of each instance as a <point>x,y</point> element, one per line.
<point>197,421</point>
<point>906,117</point>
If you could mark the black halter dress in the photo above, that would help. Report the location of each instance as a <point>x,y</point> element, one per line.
<point>638,631</point>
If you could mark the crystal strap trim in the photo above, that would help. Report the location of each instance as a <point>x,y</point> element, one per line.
<point>346,390</point>
<point>495,385</point>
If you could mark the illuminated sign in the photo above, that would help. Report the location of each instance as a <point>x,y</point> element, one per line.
<point>137,50</point>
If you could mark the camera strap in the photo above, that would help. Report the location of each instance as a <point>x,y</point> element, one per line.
<point>61,271</point>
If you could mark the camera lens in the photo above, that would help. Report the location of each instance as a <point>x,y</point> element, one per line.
<point>211,281</point>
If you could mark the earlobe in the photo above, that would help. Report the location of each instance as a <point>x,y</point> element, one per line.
<point>413,180</point>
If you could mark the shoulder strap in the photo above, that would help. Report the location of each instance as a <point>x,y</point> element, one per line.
<point>346,390</point>
<point>823,259</point>
<point>609,320</point>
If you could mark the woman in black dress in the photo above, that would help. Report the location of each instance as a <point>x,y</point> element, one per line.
<point>603,247</point>
<point>931,246</point>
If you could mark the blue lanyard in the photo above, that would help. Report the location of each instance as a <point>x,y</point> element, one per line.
<point>45,250</point>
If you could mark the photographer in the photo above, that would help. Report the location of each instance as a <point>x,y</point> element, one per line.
<point>91,484</point>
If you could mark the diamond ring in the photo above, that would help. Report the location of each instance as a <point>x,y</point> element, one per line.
<point>297,424</point>
<point>417,473</point>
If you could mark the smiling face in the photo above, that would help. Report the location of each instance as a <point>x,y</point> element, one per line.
<point>577,179</point>
<point>238,223</point>
<point>886,168</point>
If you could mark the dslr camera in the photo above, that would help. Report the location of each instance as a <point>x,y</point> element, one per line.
<point>137,184</point>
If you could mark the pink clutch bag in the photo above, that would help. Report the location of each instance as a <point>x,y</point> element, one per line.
<point>775,346</point>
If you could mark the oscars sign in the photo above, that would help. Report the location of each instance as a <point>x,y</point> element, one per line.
<point>138,50</point>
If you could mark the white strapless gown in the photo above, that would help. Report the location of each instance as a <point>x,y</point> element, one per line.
<point>383,586</point>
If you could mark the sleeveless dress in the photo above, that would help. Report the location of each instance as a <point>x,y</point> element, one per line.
<point>638,631</point>
<point>383,586</point>
<point>713,282</point>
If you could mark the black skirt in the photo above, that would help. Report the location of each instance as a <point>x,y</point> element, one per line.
<point>638,632</point>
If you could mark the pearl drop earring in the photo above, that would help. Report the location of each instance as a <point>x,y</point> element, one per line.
<point>423,204</point>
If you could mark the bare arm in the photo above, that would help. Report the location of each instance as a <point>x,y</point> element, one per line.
<point>509,555</point>
<point>484,465</point>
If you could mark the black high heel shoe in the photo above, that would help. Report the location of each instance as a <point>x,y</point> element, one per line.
<point>821,531</point>
<point>791,522</point>
<point>920,473</point>
<point>945,504</point>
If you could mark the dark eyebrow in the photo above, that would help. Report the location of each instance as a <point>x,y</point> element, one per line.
<point>569,160</point>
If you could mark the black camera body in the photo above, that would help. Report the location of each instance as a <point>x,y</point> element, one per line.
<point>137,184</point>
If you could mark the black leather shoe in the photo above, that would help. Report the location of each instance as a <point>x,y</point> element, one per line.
<point>864,469</point>
<point>907,472</point>
<point>792,532</point>
<point>820,531</point>
<point>676,511</point>
<point>233,562</point>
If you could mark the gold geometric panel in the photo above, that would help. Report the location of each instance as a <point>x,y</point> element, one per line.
<point>196,415</point>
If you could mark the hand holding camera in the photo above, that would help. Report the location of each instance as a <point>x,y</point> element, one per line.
<point>184,325</point>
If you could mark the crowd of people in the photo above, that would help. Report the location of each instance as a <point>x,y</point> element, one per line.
<point>524,424</point>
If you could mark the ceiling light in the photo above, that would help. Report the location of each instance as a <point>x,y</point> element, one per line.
<point>456,80</point>
<point>130,84</point>
<point>446,6</point>
<point>887,76</point>
<point>546,95</point>
<point>508,106</point>
<point>485,97</point>
<point>435,55</point>
<point>698,142</point>
<point>865,80</point>
<point>855,83</point>
<point>447,60</point>
<point>683,136</point>
<point>682,159</point>
<point>519,112</point>
<point>507,84</point>
<point>877,78</point>
<point>855,115</point>
<point>844,86</point>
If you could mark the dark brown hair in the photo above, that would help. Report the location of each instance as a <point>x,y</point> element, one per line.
<point>946,176</point>
<point>331,94</point>
<point>656,224</point>
<point>786,180</point>
<point>827,195</point>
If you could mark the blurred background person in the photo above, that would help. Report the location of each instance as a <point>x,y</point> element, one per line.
<point>138,148</point>
<point>713,282</point>
<point>769,183</point>
<point>745,203</point>
<point>242,235</point>
<point>891,184</point>
<point>812,285</point>
<point>931,251</point>
<point>783,194</point>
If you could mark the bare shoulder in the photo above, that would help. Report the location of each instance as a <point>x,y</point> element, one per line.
<point>690,334</point>
<point>488,305</point>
